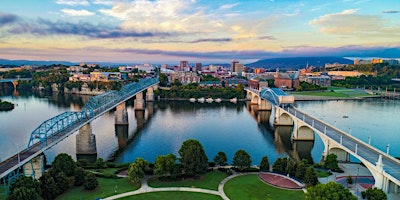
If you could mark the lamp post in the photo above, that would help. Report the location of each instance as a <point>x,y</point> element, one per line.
<point>19,159</point>
<point>387,148</point>
<point>349,131</point>
<point>369,140</point>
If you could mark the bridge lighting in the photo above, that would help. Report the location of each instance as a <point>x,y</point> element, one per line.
<point>19,159</point>
<point>387,148</point>
<point>349,131</point>
<point>341,139</point>
<point>335,123</point>
<point>369,140</point>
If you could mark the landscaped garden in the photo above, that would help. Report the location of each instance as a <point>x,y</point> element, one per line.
<point>173,195</point>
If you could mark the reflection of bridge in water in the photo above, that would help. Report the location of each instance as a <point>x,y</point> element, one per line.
<point>30,161</point>
<point>384,168</point>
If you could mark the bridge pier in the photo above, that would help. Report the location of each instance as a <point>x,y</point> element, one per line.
<point>150,93</point>
<point>35,167</point>
<point>121,131</point>
<point>139,115</point>
<point>139,101</point>
<point>86,144</point>
<point>121,115</point>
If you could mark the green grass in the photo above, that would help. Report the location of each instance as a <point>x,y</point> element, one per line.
<point>106,188</point>
<point>209,181</point>
<point>322,173</point>
<point>251,187</point>
<point>105,170</point>
<point>173,195</point>
<point>336,92</point>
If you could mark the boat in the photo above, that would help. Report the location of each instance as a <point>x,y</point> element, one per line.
<point>209,100</point>
<point>234,100</point>
<point>218,100</point>
<point>201,100</point>
<point>192,99</point>
<point>345,116</point>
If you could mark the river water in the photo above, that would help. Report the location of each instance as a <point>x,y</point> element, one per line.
<point>227,127</point>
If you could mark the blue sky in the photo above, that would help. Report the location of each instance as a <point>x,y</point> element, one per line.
<point>158,31</point>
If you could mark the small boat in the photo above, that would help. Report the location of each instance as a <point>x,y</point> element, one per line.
<point>192,99</point>
<point>218,100</point>
<point>209,100</point>
<point>345,116</point>
<point>201,100</point>
<point>234,100</point>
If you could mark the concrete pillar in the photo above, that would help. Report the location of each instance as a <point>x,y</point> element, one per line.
<point>35,168</point>
<point>150,94</point>
<point>264,105</point>
<point>150,109</point>
<point>121,115</point>
<point>15,83</point>
<point>378,176</point>
<point>139,101</point>
<point>249,96</point>
<point>263,116</point>
<point>139,114</point>
<point>121,131</point>
<point>86,144</point>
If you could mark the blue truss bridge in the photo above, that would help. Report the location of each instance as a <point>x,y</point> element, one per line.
<point>54,130</point>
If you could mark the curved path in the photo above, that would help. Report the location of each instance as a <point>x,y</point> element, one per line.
<point>145,188</point>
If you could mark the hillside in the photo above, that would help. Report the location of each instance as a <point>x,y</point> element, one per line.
<point>296,62</point>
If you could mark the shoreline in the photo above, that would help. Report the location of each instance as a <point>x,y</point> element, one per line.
<point>325,98</point>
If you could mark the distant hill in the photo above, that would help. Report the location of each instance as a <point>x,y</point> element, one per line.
<point>32,62</point>
<point>296,62</point>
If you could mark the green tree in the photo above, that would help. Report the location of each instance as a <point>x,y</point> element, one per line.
<point>32,187</point>
<point>24,193</point>
<point>300,170</point>
<point>90,181</point>
<point>99,163</point>
<point>79,176</point>
<point>63,163</point>
<point>331,162</point>
<point>279,165</point>
<point>310,178</point>
<point>264,164</point>
<point>137,169</point>
<point>349,180</point>
<point>62,182</point>
<point>163,79</point>
<point>48,186</point>
<point>374,194</point>
<point>331,190</point>
<point>241,159</point>
<point>164,164</point>
<point>220,159</point>
<point>193,158</point>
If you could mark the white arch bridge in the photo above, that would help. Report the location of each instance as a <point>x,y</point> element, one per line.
<point>384,168</point>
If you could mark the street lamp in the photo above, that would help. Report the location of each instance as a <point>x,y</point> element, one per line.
<point>387,148</point>
<point>19,159</point>
<point>369,140</point>
<point>349,131</point>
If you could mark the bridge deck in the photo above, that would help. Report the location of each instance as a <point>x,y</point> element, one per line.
<point>366,151</point>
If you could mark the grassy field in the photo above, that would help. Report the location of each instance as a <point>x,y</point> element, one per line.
<point>173,195</point>
<point>106,188</point>
<point>322,173</point>
<point>251,187</point>
<point>209,181</point>
<point>335,92</point>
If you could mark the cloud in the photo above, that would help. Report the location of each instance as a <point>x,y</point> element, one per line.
<point>268,37</point>
<point>77,13</point>
<point>391,11</point>
<point>102,2</point>
<point>349,22</point>
<point>73,2</point>
<point>212,40</point>
<point>228,6</point>
<point>7,19</point>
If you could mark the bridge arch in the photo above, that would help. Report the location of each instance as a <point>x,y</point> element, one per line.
<point>304,132</point>
<point>283,119</point>
<point>255,99</point>
<point>249,95</point>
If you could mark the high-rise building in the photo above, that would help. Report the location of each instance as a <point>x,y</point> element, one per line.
<point>198,67</point>
<point>183,65</point>
<point>239,68</point>
<point>233,65</point>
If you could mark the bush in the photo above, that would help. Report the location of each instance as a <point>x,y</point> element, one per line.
<point>90,181</point>
<point>211,164</point>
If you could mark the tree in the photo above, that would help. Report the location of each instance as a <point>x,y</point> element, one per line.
<point>79,176</point>
<point>163,79</point>
<point>64,163</point>
<point>48,186</point>
<point>193,158</point>
<point>137,169</point>
<point>331,161</point>
<point>62,182</point>
<point>220,159</point>
<point>300,170</point>
<point>374,194</point>
<point>90,181</point>
<point>24,193</point>
<point>310,178</point>
<point>164,164</point>
<point>264,164</point>
<point>349,180</point>
<point>241,159</point>
<point>331,190</point>
<point>22,186</point>
<point>279,165</point>
<point>99,163</point>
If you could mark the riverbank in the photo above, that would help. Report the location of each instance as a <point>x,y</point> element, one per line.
<point>328,98</point>
<point>6,106</point>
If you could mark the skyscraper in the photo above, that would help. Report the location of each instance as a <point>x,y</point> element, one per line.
<point>198,66</point>
<point>233,65</point>
<point>184,65</point>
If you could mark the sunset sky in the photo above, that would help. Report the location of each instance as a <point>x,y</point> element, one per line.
<point>167,31</point>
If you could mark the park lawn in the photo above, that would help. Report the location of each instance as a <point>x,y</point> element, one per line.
<point>106,170</point>
<point>251,187</point>
<point>209,181</point>
<point>323,94</point>
<point>173,195</point>
<point>105,188</point>
<point>322,173</point>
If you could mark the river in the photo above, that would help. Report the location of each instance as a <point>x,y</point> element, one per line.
<point>227,127</point>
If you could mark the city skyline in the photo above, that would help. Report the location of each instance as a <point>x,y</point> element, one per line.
<point>195,30</point>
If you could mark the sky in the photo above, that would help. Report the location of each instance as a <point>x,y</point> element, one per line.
<point>168,31</point>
